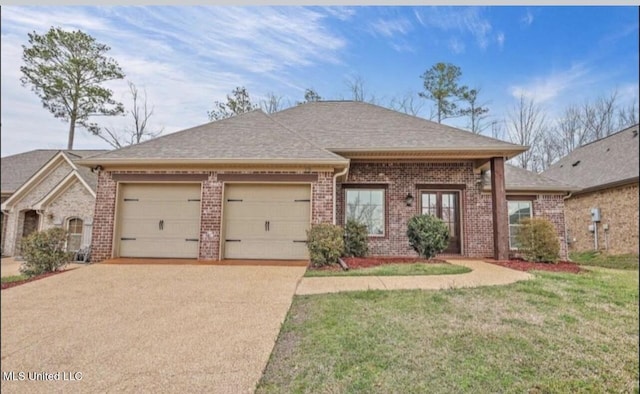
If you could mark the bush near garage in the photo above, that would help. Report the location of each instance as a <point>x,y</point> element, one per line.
<point>538,241</point>
<point>325,243</point>
<point>356,236</point>
<point>44,251</point>
<point>428,235</point>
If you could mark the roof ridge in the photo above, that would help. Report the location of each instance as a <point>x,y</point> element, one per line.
<point>607,136</point>
<point>301,136</point>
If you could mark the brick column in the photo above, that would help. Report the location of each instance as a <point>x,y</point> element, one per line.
<point>103,218</point>
<point>210,215</point>
<point>500,214</point>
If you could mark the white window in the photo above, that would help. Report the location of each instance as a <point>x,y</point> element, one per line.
<point>74,240</point>
<point>366,206</point>
<point>517,210</point>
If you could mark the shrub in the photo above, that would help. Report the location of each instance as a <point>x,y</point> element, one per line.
<point>325,243</point>
<point>44,251</point>
<point>356,236</point>
<point>537,240</point>
<point>428,235</point>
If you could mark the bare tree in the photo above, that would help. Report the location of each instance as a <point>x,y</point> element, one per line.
<point>497,130</point>
<point>476,112</point>
<point>628,116</point>
<point>547,150</point>
<point>140,114</point>
<point>599,117</point>
<point>408,103</point>
<point>356,86</point>
<point>571,130</point>
<point>526,126</point>
<point>272,103</point>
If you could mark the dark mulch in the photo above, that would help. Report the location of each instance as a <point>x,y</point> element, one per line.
<point>523,265</point>
<point>366,262</point>
<point>41,276</point>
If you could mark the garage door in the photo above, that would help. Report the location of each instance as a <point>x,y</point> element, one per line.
<point>266,221</point>
<point>159,220</point>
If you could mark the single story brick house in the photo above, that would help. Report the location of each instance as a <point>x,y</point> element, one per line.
<point>248,187</point>
<point>606,173</point>
<point>45,188</point>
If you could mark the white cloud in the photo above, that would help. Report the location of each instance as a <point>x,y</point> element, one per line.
<point>456,46</point>
<point>500,39</point>
<point>527,19</point>
<point>468,20</point>
<point>391,27</point>
<point>548,87</point>
<point>184,57</point>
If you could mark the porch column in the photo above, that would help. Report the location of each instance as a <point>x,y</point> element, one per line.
<point>500,215</point>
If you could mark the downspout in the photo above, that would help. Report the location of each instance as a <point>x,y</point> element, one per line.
<point>335,193</point>
<point>566,233</point>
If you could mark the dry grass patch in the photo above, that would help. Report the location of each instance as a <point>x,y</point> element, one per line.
<point>549,334</point>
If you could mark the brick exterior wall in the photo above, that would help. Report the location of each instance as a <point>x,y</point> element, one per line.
<point>400,178</point>
<point>618,208</point>
<point>211,209</point>
<point>475,205</point>
<point>79,205</point>
<point>75,202</point>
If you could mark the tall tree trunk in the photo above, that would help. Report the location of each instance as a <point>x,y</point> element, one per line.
<point>72,130</point>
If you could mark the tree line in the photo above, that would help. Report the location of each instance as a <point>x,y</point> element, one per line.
<point>67,71</point>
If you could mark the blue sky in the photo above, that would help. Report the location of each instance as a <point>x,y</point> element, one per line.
<point>188,57</point>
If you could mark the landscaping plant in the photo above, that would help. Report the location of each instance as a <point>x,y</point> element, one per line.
<point>44,251</point>
<point>355,239</point>
<point>325,243</point>
<point>428,235</point>
<point>537,240</point>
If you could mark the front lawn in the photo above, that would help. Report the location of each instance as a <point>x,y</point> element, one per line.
<point>395,270</point>
<point>559,332</point>
<point>600,259</point>
<point>14,278</point>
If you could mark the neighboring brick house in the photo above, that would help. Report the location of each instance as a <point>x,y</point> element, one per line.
<point>248,187</point>
<point>43,189</point>
<point>606,172</point>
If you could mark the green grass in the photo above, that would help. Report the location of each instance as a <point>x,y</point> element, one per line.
<point>599,259</point>
<point>557,333</point>
<point>396,269</point>
<point>15,278</point>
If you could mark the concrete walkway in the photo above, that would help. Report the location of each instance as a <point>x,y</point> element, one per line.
<point>482,274</point>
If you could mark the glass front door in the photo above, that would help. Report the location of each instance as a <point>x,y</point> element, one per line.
<point>446,206</point>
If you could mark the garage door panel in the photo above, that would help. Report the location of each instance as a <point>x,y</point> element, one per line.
<point>159,220</point>
<point>266,220</point>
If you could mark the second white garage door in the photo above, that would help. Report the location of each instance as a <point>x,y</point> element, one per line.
<point>266,221</point>
<point>159,220</point>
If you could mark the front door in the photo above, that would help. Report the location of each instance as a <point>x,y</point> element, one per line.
<point>446,206</point>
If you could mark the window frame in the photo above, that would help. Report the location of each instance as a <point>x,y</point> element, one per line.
<point>385,204</point>
<point>517,200</point>
<point>75,219</point>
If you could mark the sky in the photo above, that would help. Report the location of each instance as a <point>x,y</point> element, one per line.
<point>187,57</point>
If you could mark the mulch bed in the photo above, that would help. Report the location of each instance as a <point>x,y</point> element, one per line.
<point>522,265</point>
<point>41,276</point>
<point>367,262</point>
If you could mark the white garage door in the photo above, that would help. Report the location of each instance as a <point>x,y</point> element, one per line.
<point>266,221</point>
<point>159,220</point>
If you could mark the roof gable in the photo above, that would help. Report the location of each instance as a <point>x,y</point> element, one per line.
<point>609,160</point>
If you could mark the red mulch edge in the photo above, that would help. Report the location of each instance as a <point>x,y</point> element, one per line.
<point>366,262</point>
<point>41,276</point>
<point>522,265</point>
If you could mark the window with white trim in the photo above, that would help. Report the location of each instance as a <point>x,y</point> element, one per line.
<point>366,206</point>
<point>518,210</point>
<point>75,229</point>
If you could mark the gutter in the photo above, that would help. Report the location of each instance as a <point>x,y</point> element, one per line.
<point>335,193</point>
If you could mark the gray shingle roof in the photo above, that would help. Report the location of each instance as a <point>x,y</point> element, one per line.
<point>17,169</point>
<point>351,125</point>
<point>252,135</point>
<point>520,179</point>
<point>606,161</point>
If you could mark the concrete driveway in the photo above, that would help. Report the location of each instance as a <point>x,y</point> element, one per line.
<point>145,328</point>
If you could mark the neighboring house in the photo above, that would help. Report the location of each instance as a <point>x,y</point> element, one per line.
<point>606,172</point>
<point>43,189</point>
<point>248,187</point>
